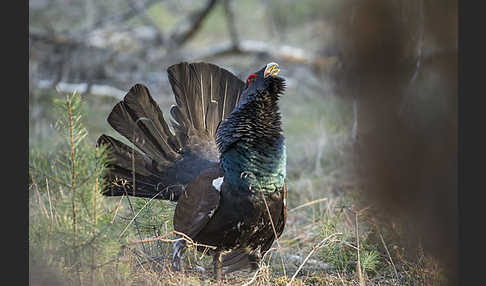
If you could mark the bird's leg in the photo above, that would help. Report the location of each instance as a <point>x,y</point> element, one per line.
<point>178,255</point>
<point>218,266</point>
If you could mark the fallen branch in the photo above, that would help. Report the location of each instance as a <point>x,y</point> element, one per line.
<point>282,52</point>
<point>165,238</point>
<point>81,88</point>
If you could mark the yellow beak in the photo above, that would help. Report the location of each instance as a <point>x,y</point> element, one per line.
<point>272,69</point>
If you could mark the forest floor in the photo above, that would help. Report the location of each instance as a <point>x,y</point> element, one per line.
<point>319,245</point>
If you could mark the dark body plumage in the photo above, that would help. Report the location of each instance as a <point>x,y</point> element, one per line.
<point>224,164</point>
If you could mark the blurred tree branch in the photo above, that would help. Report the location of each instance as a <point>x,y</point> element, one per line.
<point>113,50</point>
<point>230,18</point>
<point>136,9</point>
<point>62,54</point>
<point>85,58</point>
<point>191,24</point>
<point>248,47</point>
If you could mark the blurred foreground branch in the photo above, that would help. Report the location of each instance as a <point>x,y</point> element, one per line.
<point>399,66</point>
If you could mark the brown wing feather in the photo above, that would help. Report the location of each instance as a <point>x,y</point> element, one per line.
<point>197,203</point>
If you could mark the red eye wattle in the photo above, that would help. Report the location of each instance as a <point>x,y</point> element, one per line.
<point>251,77</point>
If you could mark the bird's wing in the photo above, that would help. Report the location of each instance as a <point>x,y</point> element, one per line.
<point>205,95</point>
<point>197,203</point>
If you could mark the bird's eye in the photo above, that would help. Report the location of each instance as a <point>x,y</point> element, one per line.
<point>250,78</point>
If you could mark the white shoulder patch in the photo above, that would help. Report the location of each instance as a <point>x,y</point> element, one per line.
<point>217,183</point>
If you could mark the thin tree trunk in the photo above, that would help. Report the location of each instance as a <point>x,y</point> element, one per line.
<point>73,187</point>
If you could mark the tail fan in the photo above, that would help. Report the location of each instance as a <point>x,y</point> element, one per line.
<point>147,178</point>
<point>205,94</point>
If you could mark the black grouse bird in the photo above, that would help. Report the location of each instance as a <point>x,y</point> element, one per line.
<point>224,164</point>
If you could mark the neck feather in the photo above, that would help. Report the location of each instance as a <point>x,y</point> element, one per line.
<point>252,146</point>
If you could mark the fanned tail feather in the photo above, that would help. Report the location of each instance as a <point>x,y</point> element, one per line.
<point>205,94</point>
<point>147,178</point>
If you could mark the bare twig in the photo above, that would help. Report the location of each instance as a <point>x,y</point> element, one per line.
<point>349,244</point>
<point>354,130</point>
<point>358,264</point>
<point>49,176</point>
<point>134,218</point>
<point>260,267</point>
<point>276,236</point>
<point>389,256</point>
<point>308,204</point>
<point>50,205</point>
<point>420,45</point>
<point>341,278</point>
<point>165,239</point>
<point>314,249</point>
<point>138,214</point>
<point>39,199</point>
<point>117,207</point>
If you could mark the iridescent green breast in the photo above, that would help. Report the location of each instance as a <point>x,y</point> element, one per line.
<point>254,169</point>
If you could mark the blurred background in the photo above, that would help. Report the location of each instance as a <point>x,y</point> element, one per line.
<point>370,117</point>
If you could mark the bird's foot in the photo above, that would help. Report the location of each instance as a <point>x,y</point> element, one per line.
<point>178,255</point>
<point>218,266</point>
